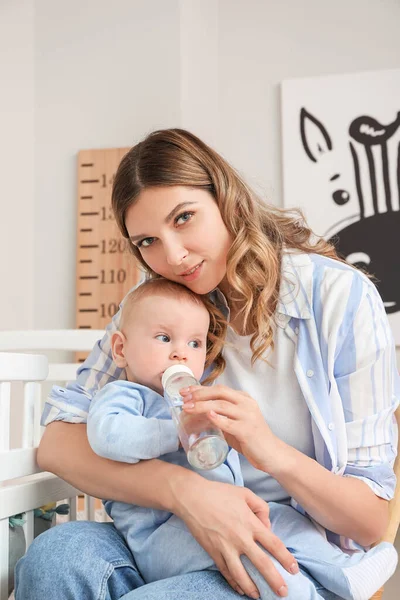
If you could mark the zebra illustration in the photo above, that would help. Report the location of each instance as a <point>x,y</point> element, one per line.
<point>370,238</point>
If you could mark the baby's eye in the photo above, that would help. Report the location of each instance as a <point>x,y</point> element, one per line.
<point>184,218</point>
<point>163,338</point>
<point>146,242</point>
<point>194,344</point>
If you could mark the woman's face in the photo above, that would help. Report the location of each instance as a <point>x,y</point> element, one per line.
<point>180,234</point>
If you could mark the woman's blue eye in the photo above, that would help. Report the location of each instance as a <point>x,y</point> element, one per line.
<point>146,242</point>
<point>194,344</point>
<point>186,216</point>
<point>163,338</point>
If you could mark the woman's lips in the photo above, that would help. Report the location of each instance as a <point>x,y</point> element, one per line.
<point>191,276</point>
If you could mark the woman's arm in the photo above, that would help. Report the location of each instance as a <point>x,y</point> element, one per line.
<point>344,505</point>
<point>226,520</point>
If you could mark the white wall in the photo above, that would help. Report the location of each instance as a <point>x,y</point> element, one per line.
<point>106,74</point>
<point>16,163</point>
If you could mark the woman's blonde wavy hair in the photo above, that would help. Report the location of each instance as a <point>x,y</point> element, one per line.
<point>260,232</point>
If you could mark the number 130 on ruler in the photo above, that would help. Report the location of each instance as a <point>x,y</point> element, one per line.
<point>105,269</point>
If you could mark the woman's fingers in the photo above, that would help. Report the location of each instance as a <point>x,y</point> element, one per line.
<point>266,537</point>
<point>221,407</point>
<point>234,572</point>
<point>223,569</point>
<point>259,507</point>
<point>215,392</point>
<point>277,548</point>
<point>239,575</point>
<point>263,563</point>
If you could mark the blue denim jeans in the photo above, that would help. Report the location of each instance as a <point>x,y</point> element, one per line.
<point>90,561</point>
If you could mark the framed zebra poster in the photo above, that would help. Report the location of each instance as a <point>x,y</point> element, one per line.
<point>341,165</point>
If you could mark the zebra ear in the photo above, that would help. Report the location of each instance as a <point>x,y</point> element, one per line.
<point>315,138</point>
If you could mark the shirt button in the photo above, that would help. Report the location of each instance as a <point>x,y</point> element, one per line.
<point>310,373</point>
<point>296,331</point>
<point>331,426</point>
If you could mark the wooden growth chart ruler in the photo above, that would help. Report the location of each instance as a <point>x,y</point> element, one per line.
<point>105,269</point>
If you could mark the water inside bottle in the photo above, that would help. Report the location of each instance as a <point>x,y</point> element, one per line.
<point>207,453</point>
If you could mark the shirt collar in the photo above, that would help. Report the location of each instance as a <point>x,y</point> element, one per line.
<point>296,290</point>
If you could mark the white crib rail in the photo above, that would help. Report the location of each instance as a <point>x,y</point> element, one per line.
<point>72,340</point>
<point>22,486</point>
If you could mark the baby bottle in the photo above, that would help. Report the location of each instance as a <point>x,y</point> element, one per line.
<point>204,444</point>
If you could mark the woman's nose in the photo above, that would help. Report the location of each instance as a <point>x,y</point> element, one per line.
<point>175,254</point>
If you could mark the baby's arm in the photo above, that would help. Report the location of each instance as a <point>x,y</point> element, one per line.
<point>117,429</point>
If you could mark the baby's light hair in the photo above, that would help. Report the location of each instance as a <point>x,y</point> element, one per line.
<point>164,287</point>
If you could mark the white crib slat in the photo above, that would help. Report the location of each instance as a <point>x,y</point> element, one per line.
<point>30,395</point>
<point>73,508</point>
<point>37,414</point>
<point>92,509</point>
<point>5,395</point>
<point>29,528</point>
<point>86,507</point>
<point>4,550</point>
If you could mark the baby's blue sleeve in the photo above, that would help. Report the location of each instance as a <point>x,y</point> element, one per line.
<point>118,430</point>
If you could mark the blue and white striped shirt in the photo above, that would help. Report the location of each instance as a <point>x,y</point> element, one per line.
<point>344,362</point>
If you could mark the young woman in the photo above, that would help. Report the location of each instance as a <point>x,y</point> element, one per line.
<point>307,396</point>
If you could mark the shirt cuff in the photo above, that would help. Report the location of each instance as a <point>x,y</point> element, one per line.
<point>387,492</point>
<point>65,405</point>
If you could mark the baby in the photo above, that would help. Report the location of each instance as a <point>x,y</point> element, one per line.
<point>163,324</point>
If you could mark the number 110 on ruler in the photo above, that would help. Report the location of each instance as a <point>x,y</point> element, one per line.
<point>105,270</point>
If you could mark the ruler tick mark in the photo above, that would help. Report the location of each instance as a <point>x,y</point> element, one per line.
<point>86,197</point>
<point>87,165</point>
<point>89,214</point>
<point>89,277</point>
<point>89,246</point>
<point>90,180</point>
<point>85,230</point>
<point>87,310</point>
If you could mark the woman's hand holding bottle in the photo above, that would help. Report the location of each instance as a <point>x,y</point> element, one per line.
<point>238,415</point>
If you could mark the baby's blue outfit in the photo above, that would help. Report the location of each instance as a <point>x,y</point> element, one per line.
<point>128,422</point>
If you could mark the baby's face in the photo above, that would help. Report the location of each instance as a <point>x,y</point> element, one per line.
<point>162,332</point>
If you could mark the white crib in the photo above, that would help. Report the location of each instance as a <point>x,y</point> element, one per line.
<point>23,487</point>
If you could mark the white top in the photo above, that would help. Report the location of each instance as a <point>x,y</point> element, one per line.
<point>275,388</point>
